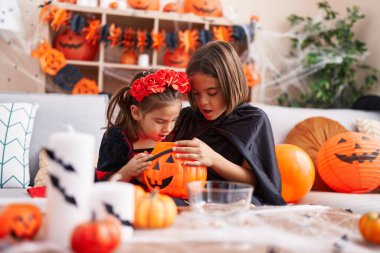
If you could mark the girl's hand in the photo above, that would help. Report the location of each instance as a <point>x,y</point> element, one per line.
<point>197,151</point>
<point>136,166</point>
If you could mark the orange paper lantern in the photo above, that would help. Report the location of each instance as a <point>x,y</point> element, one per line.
<point>297,171</point>
<point>169,175</point>
<point>350,162</point>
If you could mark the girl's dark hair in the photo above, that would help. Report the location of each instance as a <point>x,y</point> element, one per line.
<point>119,112</point>
<point>220,60</point>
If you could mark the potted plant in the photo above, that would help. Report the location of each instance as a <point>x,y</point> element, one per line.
<point>327,48</point>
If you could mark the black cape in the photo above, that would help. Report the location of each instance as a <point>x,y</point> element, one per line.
<point>245,134</point>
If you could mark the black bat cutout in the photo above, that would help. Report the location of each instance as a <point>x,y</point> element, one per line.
<point>110,210</point>
<point>55,182</point>
<point>67,167</point>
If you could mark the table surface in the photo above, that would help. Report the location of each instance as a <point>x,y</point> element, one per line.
<point>294,228</point>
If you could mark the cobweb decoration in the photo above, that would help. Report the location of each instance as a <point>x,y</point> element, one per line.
<point>282,67</point>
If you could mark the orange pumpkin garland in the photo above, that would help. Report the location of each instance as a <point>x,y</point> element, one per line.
<point>369,226</point>
<point>169,175</point>
<point>155,210</point>
<point>350,162</point>
<point>20,221</point>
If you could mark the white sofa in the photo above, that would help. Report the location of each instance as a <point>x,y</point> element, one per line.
<point>87,114</point>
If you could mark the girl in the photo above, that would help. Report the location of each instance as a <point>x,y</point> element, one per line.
<point>221,131</point>
<point>147,111</point>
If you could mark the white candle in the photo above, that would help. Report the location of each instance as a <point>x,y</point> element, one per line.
<point>71,178</point>
<point>117,199</point>
<point>143,60</point>
<point>90,3</point>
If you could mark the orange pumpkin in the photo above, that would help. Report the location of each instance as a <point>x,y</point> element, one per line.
<point>205,8</point>
<point>96,236</point>
<point>350,162</point>
<point>52,61</point>
<point>169,175</point>
<point>172,7</point>
<point>369,226</point>
<point>20,221</point>
<point>75,47</point>
<point>155,210</point>
<point>129,57</point>
<point>151,5</point>
<point>177,58</point>
<point>85,86</point>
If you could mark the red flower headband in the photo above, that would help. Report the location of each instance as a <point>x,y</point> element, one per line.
<point>157,82</point>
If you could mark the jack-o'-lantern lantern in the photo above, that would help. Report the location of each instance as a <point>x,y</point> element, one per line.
<point>205,8</point>
<point>172,7</point>
<point>176,58</point>
<point>369,226</point>
<point>169,175</point>
<point>146,5</point>
<point>129,57</point>
<point>350,162</point>
<point>85,86</point>
<point>20,221</point>
<point>96,236</point>
<point>75,47</point>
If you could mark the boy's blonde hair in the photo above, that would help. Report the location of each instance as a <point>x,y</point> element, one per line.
<point>220,60</point>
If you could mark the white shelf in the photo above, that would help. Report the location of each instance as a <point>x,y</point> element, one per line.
<point>83,63</point>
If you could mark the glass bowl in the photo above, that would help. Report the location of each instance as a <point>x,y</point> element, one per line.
<point>219,198</point>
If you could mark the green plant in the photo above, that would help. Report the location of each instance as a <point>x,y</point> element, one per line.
<point>329,49</point>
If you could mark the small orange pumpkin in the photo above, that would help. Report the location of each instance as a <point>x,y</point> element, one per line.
<point>177,58</point>
<point>20,221</point>
<point>205,8</point>
<point>155,210</point>
<point>350,162</point>
<point>169,175</point>
<point>129,57</point>
<point>96,236</point>
<point>369,226</point>
<point>85,86</point>
<point>75,46</point>
<point>151,5</point>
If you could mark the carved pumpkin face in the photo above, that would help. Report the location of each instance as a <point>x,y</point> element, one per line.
<point>205,8</point>
<point>176,58</point>
<point>85,86</point>
<point>151,5</point>
<point>75,47</point>
<point>350,162</point>
<point>129,57</point>
<point>20,221</point>
<point>169,175</point>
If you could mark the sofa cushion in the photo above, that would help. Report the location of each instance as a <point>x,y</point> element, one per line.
<point>86,113</point>
<point>309,135</point>
<point>370,127</point>
<point>16,126</point>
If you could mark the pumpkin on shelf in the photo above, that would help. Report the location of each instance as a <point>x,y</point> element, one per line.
<point>146,5</point>
<point>205,8</point>
<point>169,175</point>
<point>350,162</point>
<point>20,221</point>
<point>85,86</point>
<point>96,236</point>
<point>129,57</point>
<point>369,226</point>
<point>155,210</point>
<point>177,58</point>
<point>74,46</point>
<point>173,7</point>
<point>52,61</point>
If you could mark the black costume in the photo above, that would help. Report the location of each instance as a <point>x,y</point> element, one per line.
<point>245,134</point>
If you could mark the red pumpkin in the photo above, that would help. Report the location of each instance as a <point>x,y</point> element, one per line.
<point>169,175</point>
<point>75,47</point>
<point>20,221</point>
<point>350,162</point>
<point>176,58</point>
<point>96,236</point>
<point>151,5</point>
<point>129,57</point>
<point>205,8</point>
<point>172,7</point>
